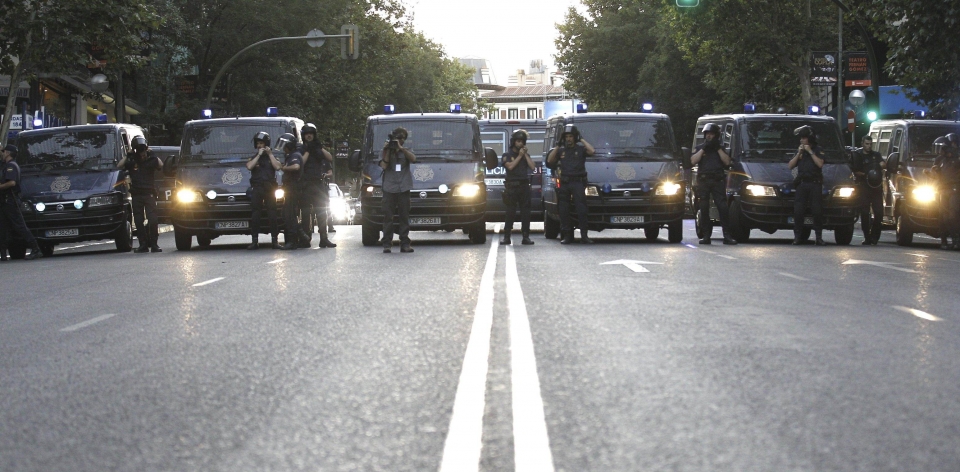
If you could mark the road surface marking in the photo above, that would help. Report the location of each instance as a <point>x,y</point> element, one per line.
<point>797,277</point>
<point>84,245</point>
<point>276,261</point>
<point>208,282</point>
<point>531,443</point>
<point>885,265</point>
<point>726,257</point>
<point>708,251</point>
<point>86,323</point>
<point>948,260</point>
<point>632,265</point>
<point>691,246</point>
<point>914,254</point>
<point>919,314</point>
<point>461,450</point>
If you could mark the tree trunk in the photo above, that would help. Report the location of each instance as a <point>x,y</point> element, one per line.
<point>15,82</point>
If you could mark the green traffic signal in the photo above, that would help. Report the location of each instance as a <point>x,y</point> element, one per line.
<point>872,115</point>
<point>688,3</point>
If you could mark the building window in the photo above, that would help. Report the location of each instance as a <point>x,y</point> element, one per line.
<point>503,114</point>
<point>533,113</point>
<point>523,114</point>
<point>513,114</point>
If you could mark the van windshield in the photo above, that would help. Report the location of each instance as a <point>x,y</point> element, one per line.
<point>451,140</point>
<point>223,143</point>
<point>773,140</point>
<point>69,150</point>
<point>922,137</point>
<point>629,139</point>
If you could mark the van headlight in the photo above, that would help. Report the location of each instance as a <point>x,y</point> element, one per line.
<point>466,190</point>
<point>372,191</point>
<point>668,188</point>
<point>102,200</point>
<point>761,191</point>
<point>843,192</point>
<point>279,193</point>
<point>591,191</point>
<point>188,196</point>
<point>924,193</point>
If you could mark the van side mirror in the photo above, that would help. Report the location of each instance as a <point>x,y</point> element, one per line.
<point>685,158</point>
<point>490,158</point>
<point>355,161</point>
<point>170,166</point>
<point>893,163</point>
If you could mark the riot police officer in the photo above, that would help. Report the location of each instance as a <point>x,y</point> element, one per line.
<point>292,163</point>
<point>946,169</point>
<point>11,220</point>
<point>141,166</point>
<point>315,186</point>
<point>516,186</point>
<point>711,161</point>
<point>263,186</point>
<point>571,154</point>
<point>867,166</point>
<point>809,184</point>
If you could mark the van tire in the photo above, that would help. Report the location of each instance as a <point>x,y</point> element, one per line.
<point>551,227</point>
<point>843,235</point>
<point>675,231</point>
<point>478,233</point>
<point>904,232</point>
<point>46,249</point>
<point>204,241</point>
<point>123,238</point>
<point>369,234</point>
<point>651,232</point>
<point>696,223</point>
<point>738,226</point>
<point>183,239</point>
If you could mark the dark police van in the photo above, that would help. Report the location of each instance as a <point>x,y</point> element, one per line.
<point>910,201</point>
<point>165,182</point>
<point>212,177</point>
<point>72,190</point>
<point>448,178</point>
<point>634,179</point>
<point>496,134</point>
<point>760,186</point>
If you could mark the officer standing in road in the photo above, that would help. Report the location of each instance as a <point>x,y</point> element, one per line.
<point>395,161</point>
<point>263,167</point>
<point>315,186</point>
<point>11,220</point>
<point>946,169</point>
<point>711,161</point>
<point>572,155</point>
<point>867,166</point>
<point>291,199</point>
<point>516,186</point>
<point>141,167</point>
<point>809,163</point>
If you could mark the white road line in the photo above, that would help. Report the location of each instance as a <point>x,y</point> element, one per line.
<point>919,314</point>
<point>531,443</point>
<point>84,245</point>
<point>208,282</point>
<point>691,246</point>
<point>461,450</point>
<point>918,255</point>
<point>726,257</point>
<point>277,261</point>
<point>708,252</point>
<point>797,277</point>
<point>89,322</point>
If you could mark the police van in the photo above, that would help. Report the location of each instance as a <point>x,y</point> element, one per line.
<point>496,135</point>
<point>212,177</point>
<point>760,185</point>
<point>448,178</point>
<point>72,190</point>
<point>634,179</point>
<point>910,202</point>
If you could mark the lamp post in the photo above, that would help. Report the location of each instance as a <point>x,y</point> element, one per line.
<point>856,98</point>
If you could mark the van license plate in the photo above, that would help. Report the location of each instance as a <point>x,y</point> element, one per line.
<point>495,182</point>
<point>232,225</point>
<point>806,220</point>
<point>626,219</point>
<point>425,221</point>
<point>60,233</point>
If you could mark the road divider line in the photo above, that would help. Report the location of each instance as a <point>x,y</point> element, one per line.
<point>708,251</point>
<point>726,257</point>
<point>276,261</point>
<point>919,314</point>
<point>464,443</point>
<point>208,282</point>
<point>796,277</point>
<point>531,443</point>
<point>915,254</point>
<point>89,322</point>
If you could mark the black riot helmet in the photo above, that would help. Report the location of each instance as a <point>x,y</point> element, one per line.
<point>942,145</point>
<point>520,134</point>
<point>953,139</point>
<point>263,137</point>
<point>571,130</point>
<point>139,144</point>
<point>287,140</point>
<point>806,131</point>
<point>309,128</point>
<point>711,128</point>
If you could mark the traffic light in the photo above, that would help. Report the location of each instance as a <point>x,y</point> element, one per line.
<point>871,115</point>
<point>350,47</point>
<point>688,3</point>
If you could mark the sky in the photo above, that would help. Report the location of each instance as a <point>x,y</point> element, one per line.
<point>508,33</point>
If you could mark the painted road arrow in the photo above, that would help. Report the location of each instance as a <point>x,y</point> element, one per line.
<point>632,265</point>
<point>885,265</point>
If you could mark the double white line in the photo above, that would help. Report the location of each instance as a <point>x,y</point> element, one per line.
<point>464,443</point>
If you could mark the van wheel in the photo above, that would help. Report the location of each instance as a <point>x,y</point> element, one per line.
<point>204,241</point>
<point>843,235</point>
<point>46,249</point>
<point>370,234</point>
<point>551,227</point>
<point>651,232</point>
<point>904,232</point>
<point>738,225</point>
<point>183,239</point>
<point>675,231</point>
<point>478,233</point>
<point>696,222</point>
<point>17,250</point>
<point>124,237</point>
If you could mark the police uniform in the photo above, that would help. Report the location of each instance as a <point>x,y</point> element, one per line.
<point>516,193</point>
<point>711,182</point>
<point>291,204</point>
<point>947,169</point>
<point>315,192</point>
<point>263,186</point>
<point>144,195</point>
<point>397,183</point>
<point>573,179</point>
<point>872,198</point>
<point>11,220</point>
<point>809,194</point>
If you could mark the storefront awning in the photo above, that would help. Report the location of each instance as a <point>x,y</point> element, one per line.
<point>23,91</point>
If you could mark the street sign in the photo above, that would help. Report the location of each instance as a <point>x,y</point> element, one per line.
<point>315,43</point>
<point>851,120</point>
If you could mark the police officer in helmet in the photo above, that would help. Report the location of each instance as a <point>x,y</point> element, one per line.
<point>292,163</point>
<point>315,186</point>
<point>867,166</point>
<point>946,170</point>
<point>263,167</point>
<point>809,184</point>
<point>141,166</point>
<point>10,217</point>
<point>711,161</point>
<point>516,186</point>
<point>570,156</point>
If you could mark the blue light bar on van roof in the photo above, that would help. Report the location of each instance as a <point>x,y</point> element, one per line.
<point>389,109</point>
<point>102,118</point>
<point>273,111</point>
<point>455,108</point>
<point>813,110</point>
<point>581,107</point>
<point>208,113</point>
<point>749,108</point>
<point>920,114</point>
<point>647,107</point>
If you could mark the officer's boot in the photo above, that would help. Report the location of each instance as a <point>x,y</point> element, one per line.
<point>945,242</point>
<point>956,242</point>
<point>255,244</point>
<point>305,239</point>
<point>796,239</point>
<point>583,237</point>
<point>143,246</point>
<point>3,255</point>
<point>820,240</point>
<point>727,239</point>
<point>526,239</point>
<point>290,240</point>
<point>325,240</point>
<point>505,240</point>
<point>34,253</point>
<point>275,242</point>
<point>567,237</point>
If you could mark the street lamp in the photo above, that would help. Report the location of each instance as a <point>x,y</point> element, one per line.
<point>857,98</point>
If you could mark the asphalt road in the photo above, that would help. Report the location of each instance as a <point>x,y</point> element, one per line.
<point>761,356</point>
